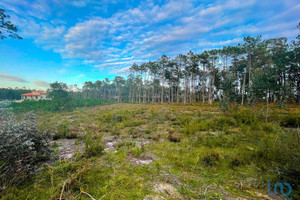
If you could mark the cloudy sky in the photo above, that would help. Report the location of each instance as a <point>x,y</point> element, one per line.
<point>79,40</point>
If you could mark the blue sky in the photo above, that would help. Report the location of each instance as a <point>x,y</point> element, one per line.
<point>74,41</point>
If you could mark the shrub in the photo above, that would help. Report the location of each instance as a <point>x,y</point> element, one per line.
<point>223,121</point>
<point>155,137</point>
<point>292,121</point>
<point>245,116</point>
<point>174,138</point>
<point>63,131</point>
<point>22,147</point>
<point>212,159</point>
<point>235,162</point>
<point>93,145</point>
<point>50,105</point>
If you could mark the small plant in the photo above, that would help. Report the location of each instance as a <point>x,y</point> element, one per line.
<point>225,121</point>
<point>174,138</point>
<point>224,104</point>
<point>63,131</point>
<point>212,159</point>
<point>155,137</point>
<point>93,145</point>
<point>137,151</point>
<point>245,116</point>
<point>234,162</point>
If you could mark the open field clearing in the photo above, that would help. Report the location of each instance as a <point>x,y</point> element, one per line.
<point>166,151</point>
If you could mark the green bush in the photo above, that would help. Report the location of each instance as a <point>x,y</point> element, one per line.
<point>225,121</point>
<point>291,120</point>
<point>63,131</point>
<point>93,146</point>
<point>245,116</point>
<point>211,159</point>
<point>235,162</point>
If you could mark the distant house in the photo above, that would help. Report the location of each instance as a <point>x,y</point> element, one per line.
<point>34,95</point>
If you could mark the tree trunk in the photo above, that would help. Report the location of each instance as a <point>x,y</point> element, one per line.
<point>203,90</point>
<point>267,101</point>
<point>243,88</point>
<point>162,94</point>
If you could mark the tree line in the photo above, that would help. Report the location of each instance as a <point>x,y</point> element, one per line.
<point>10,93</point>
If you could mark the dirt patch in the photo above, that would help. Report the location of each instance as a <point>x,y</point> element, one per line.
<point>67,148</point>
<point>110,142</point>
<point>110,145</point>
<point>167,190</point>
<point>142,160</point>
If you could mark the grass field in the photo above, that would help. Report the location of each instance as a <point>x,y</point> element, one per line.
<point>169,151</point>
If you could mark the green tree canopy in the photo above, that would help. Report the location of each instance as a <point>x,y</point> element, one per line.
<point>7,29</point>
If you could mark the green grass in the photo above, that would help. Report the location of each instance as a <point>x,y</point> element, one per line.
<point>219,156</point>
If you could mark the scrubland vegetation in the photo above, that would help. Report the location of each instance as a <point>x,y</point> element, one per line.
<point>48,105</point>
<point>192,151</point>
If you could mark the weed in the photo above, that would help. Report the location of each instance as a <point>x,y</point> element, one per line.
<point>137,152</point>
<point>93,145</point>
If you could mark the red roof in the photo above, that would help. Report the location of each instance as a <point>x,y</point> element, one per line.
<point>34,93</point>
<point>40,92</point>
<point>31,94</point>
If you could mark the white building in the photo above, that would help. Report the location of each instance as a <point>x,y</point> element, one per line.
<point>35,95</point>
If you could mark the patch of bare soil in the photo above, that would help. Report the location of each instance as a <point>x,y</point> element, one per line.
<point>142,160</point>
<point>110,145</point>
<point>167,190</point>
<point>110,142</point>
<point>67,148</point>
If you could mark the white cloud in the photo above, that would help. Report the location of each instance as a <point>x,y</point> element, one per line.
<point>119,63</point>
<point>221,43</point>
<point>9,77</point>
<point>79,3</point>
<point>41,83</point>
<point>62,71</point>
<point>123,70</point>
<point>147,31</point>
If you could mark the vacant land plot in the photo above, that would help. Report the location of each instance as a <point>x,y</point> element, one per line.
<point>167,151</point>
